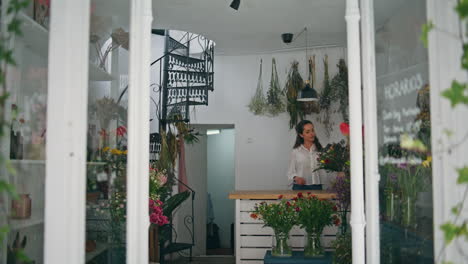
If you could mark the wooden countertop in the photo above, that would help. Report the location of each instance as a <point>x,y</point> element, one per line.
<point>273,194</point>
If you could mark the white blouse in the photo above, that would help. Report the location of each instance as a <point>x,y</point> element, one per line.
<point>303,163</point>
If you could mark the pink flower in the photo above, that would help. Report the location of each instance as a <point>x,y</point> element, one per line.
<point>121,131</point>
<point>162,179</point>
<point>151,203</point>
<point>344,128</point>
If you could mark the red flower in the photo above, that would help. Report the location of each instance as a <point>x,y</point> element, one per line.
<point>337,222</point>
<point>288,203</point>
<point>254,216</point>
<point>103,133</point>
<point>308,193</point>
<point>300,195</point>
<point>335,208</point>
<point>344,128</point>
<point>280,197</point>
<point>327,161</point>
<point>295,198</point>
<point>298,209</point>
<point>121,130</point>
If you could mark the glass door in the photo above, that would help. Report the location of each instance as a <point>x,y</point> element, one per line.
<point>405,190</point>
<point>107,134</point>
<point>23,138</point>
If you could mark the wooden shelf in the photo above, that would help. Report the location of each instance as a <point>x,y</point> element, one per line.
<point>274,194</point>
<point>42,162</point>
<point>36,38</point>
<point>36,219</point>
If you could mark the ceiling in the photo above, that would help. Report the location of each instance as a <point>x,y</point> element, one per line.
<point>258,24</point>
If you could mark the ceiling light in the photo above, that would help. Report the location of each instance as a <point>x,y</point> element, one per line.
<point>235,4</point>
<point>213,132</point>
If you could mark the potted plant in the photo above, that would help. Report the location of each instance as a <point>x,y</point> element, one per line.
<point>314,214</point>
<point>281,217</point>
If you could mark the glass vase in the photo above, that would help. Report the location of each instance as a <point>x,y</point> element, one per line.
<point>281,247</point>
<point>408,210</point>
<point>390,206</point>
<point>313,247</point>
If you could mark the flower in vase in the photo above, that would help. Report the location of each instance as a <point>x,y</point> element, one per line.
<point>344,128</point>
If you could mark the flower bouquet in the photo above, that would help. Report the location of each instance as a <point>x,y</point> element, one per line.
<point>314,214</point>
<point>334,157</point>
<point>281,217</point>
<point>341,185</point>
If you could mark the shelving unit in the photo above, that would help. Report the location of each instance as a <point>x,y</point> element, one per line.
<point>36,219</point>
<point>36,38</point>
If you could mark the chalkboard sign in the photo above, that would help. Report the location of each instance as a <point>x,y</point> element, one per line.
<point>399,111</point>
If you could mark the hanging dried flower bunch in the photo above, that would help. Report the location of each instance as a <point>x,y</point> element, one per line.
<point>275,97</point>
<point>325,98</point>
<point>293,85</point>
<point>339,85</point>
<point>311,107</point>
<point>258,102</point>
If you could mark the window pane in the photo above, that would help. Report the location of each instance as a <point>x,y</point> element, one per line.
<point>107,117</point>
<point>406,234</point>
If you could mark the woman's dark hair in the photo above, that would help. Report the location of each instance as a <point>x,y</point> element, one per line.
<point>300,140</point>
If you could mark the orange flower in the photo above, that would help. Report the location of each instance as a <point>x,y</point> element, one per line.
<point>280,197</point>
<point>254,216</point>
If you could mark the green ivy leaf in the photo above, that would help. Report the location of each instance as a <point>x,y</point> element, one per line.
<point>462,8</point>
<point>450,231</point>
<point>465,56</point>
<point>456,209</point>
<point>462,175</point>
<point>15,26</point>
<point>5,186</point>
<point>456,93</point>
<point>426,28</point>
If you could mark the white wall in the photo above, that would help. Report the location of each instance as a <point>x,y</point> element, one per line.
<point>444,57</point>
<point>195,160</point>
<point>221,171</point>
<point>262,143</point>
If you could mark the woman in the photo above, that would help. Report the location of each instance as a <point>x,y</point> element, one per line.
<point>303,160</point>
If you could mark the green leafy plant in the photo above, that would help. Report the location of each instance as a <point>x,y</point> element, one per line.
<point>343,250</point>
<point>334,157</point>
<point>314,214</point>
<point>280,216</point>
<point>339,85</point>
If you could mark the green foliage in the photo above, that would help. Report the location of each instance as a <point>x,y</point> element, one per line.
<point>462,9</point>
<point>452,231</point>
<point>343,250</point>
<point>314,214</point>
<point>462,175</point>
<point>294,83</point>
<point>275,97</point>
<point>426,28</point>
<point>258,102</point>
<point>339,85</point>
<point>456,93</point>
<point>280,216</point>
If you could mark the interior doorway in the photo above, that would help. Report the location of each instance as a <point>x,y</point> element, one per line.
<point>220,180</point>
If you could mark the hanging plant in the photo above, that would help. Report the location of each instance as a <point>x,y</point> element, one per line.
<point>293,85</point>
<point>339,85</point>
<point>257,103</point>
<point>275,97</point>
<point>311,107</point>
<point>325,98</point>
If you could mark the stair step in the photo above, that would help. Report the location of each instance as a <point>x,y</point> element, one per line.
<point>185,102</point>
<point>191,72</point>
<point>195,87</point>
<point>186,59</point>
<point>174,44</point>
<point>174,247</point>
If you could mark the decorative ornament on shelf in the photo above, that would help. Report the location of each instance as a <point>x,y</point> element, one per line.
<point>258,102</point>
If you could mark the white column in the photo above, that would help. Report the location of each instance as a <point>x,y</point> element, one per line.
<point>370,127</point>
<point>66,132</point>
<point>355,121</point>
<point>138,131</point>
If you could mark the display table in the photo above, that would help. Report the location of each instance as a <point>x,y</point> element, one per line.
<point>297,257</point>
<point>253,240</point>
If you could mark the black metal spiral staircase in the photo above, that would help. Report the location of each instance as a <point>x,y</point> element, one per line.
<point>186,77</point>
<point>185,80</point>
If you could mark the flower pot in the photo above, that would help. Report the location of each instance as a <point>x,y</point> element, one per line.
<point>281,247</point>
<point>21,208</point>
<point>313,246</point>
